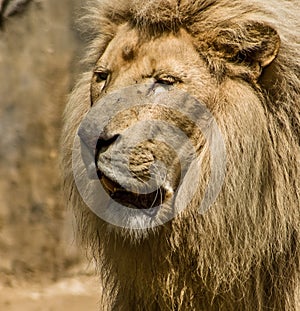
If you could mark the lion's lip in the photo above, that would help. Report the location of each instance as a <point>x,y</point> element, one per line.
<point>132,199</point>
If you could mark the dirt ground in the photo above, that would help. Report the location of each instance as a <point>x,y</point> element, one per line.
<point>76,294</point>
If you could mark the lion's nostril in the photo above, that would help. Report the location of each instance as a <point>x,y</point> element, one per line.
<point>103,144</point>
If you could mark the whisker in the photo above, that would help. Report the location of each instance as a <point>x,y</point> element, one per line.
<point>154,200</point>
<point>138,178</point>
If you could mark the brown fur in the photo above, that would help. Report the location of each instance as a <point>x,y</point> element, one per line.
<point>243,254</point>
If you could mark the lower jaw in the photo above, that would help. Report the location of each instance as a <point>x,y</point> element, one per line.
<point>147,202</point>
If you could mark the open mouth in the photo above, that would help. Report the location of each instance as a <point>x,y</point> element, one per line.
<point>132,199</point>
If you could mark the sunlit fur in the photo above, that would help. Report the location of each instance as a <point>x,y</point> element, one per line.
<point>243,254</point>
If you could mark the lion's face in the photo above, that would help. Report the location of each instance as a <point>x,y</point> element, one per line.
<point>169,61</point>
<point>165,62</point>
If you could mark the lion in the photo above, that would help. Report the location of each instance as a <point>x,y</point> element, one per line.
<point>242,60</point>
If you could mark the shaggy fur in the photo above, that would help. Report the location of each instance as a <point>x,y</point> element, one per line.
<point>243,254</point>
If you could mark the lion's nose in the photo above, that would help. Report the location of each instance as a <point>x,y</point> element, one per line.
<point>104,143</point>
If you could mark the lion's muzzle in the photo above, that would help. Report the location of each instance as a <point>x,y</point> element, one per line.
<point>138,175</point>
<point>139,144</point>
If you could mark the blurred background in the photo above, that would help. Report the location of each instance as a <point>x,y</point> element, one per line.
<point>41,268</point>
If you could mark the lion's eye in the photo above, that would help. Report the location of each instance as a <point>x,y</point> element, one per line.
<point>101,76</point>
<point>168,80</point>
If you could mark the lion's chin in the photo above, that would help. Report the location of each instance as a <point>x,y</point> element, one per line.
<point>148,201</point>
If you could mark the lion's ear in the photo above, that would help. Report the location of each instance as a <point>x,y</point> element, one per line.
<point>252,44</point>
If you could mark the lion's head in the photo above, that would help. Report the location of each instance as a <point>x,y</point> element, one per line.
<point>211,71</point>
<point>240,60</point>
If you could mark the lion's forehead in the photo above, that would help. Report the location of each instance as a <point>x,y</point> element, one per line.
<point>129,47</point>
